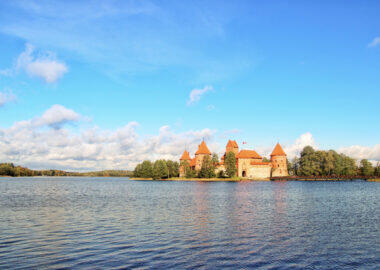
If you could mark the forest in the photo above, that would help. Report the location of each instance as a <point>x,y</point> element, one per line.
<point>9,169</point>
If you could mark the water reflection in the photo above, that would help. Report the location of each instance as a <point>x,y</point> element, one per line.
<point>117,223</point>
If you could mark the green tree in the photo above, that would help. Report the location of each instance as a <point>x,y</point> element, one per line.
<point>295,168</point>
<point>377,170</point>
<point>307,159</point>
<point>265,159</point>
<point>137,172</point>
<point>173,168</point>
<point>221,174</point>
<point>207,169</point>
<point>230,164</point>
<point>215,159</point>
<point>190,173</point>
<point>366,168</point>
<point>328,162</point>
<point>146,169</point>
<point>160,169</point>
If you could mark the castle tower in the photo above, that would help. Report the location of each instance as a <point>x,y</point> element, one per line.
<point>184,158</point>
<point>232,146</point>
<point>200,154</point>
<point>278,160</point>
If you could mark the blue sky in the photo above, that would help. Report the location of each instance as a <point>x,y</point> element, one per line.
<point>260,71</point>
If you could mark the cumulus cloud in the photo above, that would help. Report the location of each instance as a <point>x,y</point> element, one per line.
<point>6,97</point>
<point>196,94</point>
<point>45,142</point>
<point>292,149</point>
<point>375,42</point>
<point>362,152</point>
<point>44,66</point>
<point>28,143</point>
<point>56,116</point>
<point>295,149</point>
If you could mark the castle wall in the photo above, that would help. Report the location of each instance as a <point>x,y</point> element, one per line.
<point>259,172</point>
<point>244,164</point>
<point>220,168</point>
<point>199,159</point>
<point>280,166</point>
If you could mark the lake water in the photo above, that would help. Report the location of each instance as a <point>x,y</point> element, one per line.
<point>119,223</point>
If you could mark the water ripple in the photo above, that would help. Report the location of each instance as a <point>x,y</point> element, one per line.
<point>62,223</point>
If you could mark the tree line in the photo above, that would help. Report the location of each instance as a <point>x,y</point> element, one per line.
<point>330,163</point>
<point>164,169</point>
<point>9,169</point>
<point>160,169</point>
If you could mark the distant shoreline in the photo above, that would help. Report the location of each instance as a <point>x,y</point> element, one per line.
<point>260,180</point>
<point>308,179</point>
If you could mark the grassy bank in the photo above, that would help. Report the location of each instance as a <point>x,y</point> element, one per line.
<point>319,178</point>
<point>236,179</point>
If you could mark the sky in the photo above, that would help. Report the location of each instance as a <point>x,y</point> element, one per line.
<point>91,85</point>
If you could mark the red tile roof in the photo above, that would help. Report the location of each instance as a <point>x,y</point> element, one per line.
<point>248,154</point>
<point>278,151</point>
<point>232,144</point>
<point>185,156</point>
<point>203,149</point>
<point>193,162</point>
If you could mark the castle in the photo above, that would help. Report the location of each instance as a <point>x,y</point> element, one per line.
<point>249,163</point>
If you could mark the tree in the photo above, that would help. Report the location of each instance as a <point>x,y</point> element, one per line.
<point>328,162</point>
<point>221,174</point>
<point>160,169</point>
<point>323,163</point>
<point>215,159</point>
<point>146,169</point>
<point>366,168</point>
<point>230,164</point>
<point>189,172</point>
<point>137,172</point>
<point>265,159</point>
<point>295,166</point>
<point>308,161</point>
<point>290,167</point>
<point>377,170</point>
<point>207,169</point>
<point>173,168</point>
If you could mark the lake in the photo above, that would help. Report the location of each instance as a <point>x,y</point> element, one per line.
<point>118,223</point>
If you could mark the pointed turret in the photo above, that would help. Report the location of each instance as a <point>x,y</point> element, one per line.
<point>232,146</point>
<point>185,156</point>
<point>278,151</point>
<point>279,162</point>
<point>203,149</point>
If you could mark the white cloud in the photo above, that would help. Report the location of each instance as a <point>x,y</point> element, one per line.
<point>56,116</point>
<point>362,152</point>
<point>296,148</point>
<point>44,66</point>
<point>375,42</point>
<point>196,94</point>
<point>38,143</point>
<point>6,97</point>
<point>44,142</point>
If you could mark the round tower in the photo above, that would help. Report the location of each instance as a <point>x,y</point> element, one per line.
<point>279,163</point>
<point>185,158</point>
<point>200,155</point>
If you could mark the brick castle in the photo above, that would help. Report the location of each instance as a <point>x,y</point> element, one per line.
<point>249,163</point>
